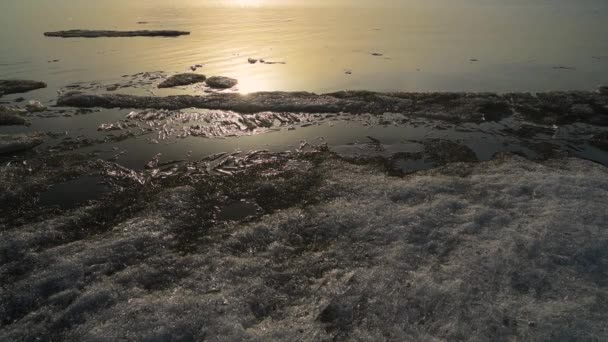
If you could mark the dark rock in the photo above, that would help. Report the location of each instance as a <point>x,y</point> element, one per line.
<point>336,314</point>
<point>600,141</point>
<point>252,60</point>
<point>547,150</point>
<point>530,281</point>
<point>561,67</point>
<point>546,108</point>
<point>494,110</point>
<point>582,110</point>
<point>444,151</point>
<point>10,143</point>
<point>239,211</point>
<point>19,86</point>
<point>253,103</point>
<point>195,67</point>
<point>561,107</point>
<point>530,131</point>
<point>603,90</point>
<point>8,118</point>
<point>104,33</point>
<point>182,80</point>
<point>221,82</point>
<point>270,62</point>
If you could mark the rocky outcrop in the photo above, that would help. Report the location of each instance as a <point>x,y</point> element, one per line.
<point>182,80</point>
<point>546,108</point>
<point>221,82</point>
<point>19,86</point>
<point>10,143</point>
<point>105,33</point>
<point>33,106</point>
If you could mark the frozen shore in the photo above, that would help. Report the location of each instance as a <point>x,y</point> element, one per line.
<point>505,249</point>
<point>550,107</point>
<point>413,232</point>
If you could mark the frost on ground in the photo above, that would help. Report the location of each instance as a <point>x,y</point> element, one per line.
<point>502,250</point>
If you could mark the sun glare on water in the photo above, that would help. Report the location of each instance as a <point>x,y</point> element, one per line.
<point>247,3</point>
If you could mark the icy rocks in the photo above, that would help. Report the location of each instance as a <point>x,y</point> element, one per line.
<point>153,163</point>
<point>221,82</point>
<point>182,80</point>
<point>603,90</point>
<point>107,33</point>
<point>35,106</point>
<point>19,86</point>
<point>10,143</point>
<point>106,127</point>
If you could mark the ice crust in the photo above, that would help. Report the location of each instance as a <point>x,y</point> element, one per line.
<point>508,249</point>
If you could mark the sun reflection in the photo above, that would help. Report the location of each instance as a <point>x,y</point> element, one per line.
<point>249,83</point>
<point>247,3</point>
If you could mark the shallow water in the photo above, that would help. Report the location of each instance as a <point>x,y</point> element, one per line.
<point>464,45</point>
<point>409,45</point>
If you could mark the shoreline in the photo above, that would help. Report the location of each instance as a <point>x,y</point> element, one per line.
<point>254,171</point>
<point>279,245</point>
<point>549,107</point>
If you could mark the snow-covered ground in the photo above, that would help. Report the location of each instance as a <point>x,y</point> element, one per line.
<point>503,250</point>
